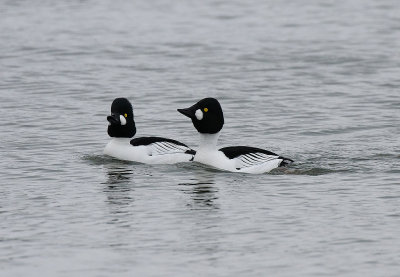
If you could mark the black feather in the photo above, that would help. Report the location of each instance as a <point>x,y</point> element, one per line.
<point>150,140</point>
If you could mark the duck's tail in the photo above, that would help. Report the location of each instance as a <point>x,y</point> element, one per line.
<point>285,161</point>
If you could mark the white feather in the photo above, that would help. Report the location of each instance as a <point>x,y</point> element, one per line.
<point>255,163</point>
<point>122,119</point>
<point>154,153</point>
<point>199,114</point>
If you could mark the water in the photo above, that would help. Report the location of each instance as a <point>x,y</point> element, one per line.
<point>315,81</point>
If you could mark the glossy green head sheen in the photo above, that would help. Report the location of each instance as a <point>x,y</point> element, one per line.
<point>206,115</point>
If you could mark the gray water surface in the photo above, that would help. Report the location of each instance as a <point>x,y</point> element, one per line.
<point>316,81</point>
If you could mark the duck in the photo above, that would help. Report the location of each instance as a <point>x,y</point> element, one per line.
<point>147,150</point>
<point>208,119</point>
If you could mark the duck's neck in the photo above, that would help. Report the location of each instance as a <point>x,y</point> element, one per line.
<point>208,141</point>
<point>121,140</point>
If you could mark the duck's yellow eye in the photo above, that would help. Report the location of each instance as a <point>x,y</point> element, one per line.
<point>125,115</point>
<point>205,110</point>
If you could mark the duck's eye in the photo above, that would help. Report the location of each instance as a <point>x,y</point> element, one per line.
<point>125,115</point>
<point>205,110</point>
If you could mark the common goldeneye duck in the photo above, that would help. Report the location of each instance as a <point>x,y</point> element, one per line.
<point>208,119</point>
<point>149,150</point>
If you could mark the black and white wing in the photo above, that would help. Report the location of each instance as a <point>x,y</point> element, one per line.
<point>246,157</point>
<point>162,146</point>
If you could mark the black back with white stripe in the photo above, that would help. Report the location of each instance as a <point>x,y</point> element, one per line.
<point>251,156</point>
<point>161,146</point>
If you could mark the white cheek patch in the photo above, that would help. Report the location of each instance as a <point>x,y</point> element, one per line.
<point>122,119</point>
<point>199,114</point>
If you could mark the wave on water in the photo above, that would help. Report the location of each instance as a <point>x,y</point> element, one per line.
<point>96,159</point>
<point>315,171</point>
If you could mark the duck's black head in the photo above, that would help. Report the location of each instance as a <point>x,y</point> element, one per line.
<point>206,115</point>
<point>121,122</point>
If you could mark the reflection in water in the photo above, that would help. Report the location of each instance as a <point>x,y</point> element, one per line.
<point>118,184</point>
<point>202,190</point>
<point>118,175</point>
<point>118,190</point>
<point>118,178</point>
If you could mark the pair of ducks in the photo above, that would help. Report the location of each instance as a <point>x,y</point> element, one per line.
<point>208,119</point>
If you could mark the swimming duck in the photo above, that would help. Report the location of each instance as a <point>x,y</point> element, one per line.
<point>208,119</point>
<point>149,150</point>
